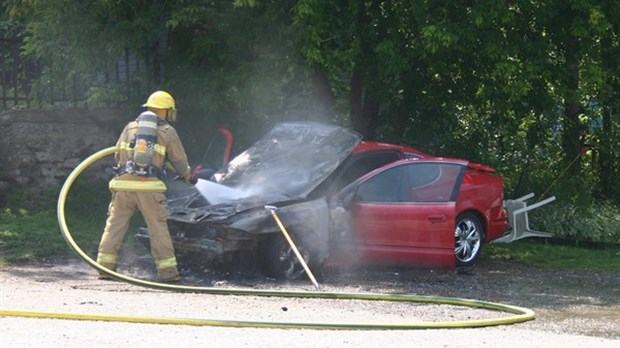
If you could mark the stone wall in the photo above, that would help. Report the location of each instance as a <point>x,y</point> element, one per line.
<point>40,148</point>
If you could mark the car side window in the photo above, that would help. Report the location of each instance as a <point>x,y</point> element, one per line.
<point>430,182</point>
<point>412,182</point>
<point>365,164</point>
<point>382,187</point>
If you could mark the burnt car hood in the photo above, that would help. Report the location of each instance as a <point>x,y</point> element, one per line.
<point>289,161</point>
<point>284,165</point>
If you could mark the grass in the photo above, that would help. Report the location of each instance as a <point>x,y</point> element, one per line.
<point>543,254</point>
<point>29,229</point>
<point>26,235</point>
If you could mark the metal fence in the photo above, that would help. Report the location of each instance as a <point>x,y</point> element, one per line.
<point>22,84</point>
<point>15,75</point>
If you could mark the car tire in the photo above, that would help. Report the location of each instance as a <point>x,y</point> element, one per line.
<point>278,260</point>
<point>468,238</point>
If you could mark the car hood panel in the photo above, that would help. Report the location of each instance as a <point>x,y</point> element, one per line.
<point>284,165</point>
<point>289,162</point>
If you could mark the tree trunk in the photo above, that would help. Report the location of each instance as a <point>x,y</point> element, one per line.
<point>324,89</point>
<point>572,108</point>
<point>363,101</point>
<point>364,108</point>
<point>356,100</point>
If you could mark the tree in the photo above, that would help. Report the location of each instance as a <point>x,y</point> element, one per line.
<point>518,85</point>
<point>492,81</point>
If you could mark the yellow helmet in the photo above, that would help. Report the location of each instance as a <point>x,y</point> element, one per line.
<point>160,100</point>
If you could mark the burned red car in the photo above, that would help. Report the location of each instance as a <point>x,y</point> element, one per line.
<point>342,200</point>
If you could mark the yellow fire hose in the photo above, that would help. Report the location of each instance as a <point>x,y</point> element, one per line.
<point>518,314</point>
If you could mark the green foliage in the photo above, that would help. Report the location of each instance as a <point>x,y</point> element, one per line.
<point>235,67</point>
<point>537,253</point>
<point>598,222</point>
<point>29,225</point>
<point>517,85</point>
<point>27,236</point>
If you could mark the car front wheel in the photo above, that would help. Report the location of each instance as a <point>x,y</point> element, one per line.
<point>280,261</point>
<point>468,236</point>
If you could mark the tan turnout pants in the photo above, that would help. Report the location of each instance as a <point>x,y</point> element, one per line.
<point>152,205</point>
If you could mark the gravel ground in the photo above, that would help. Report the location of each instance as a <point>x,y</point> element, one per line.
<point>573,309</point>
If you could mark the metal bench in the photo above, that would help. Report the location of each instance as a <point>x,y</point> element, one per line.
<point>518,220</point>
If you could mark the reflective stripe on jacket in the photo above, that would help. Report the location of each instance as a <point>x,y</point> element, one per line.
<point>121,184</point>
<point>158,148</point>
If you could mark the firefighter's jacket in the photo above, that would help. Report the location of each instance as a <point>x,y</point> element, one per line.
<point>168,148</point>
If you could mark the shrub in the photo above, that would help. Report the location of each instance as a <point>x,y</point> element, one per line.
<point>599,222</point>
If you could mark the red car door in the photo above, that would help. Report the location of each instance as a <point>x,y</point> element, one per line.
<point>405,214</point>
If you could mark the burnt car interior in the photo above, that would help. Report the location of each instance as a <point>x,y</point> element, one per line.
<point>217,154</point>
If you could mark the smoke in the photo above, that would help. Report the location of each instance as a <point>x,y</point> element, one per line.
<point>136,261</point>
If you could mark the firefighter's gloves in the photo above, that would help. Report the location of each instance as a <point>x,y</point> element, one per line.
<point>189,178</point>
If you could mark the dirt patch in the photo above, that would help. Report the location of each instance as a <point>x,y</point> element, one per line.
<point>565,302</point>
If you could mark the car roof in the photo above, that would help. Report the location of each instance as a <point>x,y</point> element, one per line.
<point>470,165</point>
<point>369,146</point>
<point>366,146</point>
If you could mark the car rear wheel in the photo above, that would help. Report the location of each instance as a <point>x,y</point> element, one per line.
<point>468,236</point>
<point>279,260</point>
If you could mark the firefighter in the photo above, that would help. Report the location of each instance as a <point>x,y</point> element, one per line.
<point>144,145</point>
